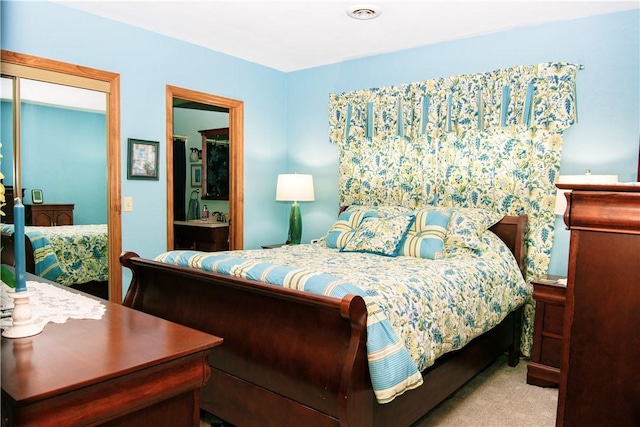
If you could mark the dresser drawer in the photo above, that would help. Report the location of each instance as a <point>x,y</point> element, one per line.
<point>544,368</point>
<point>553,320</point>
<point>551,350</point>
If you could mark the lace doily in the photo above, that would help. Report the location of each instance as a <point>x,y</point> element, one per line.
<point>53,304</point>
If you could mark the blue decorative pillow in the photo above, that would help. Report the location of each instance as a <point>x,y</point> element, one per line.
<point>380,236</point>
<point>425,238</point>
<point>344,228</point>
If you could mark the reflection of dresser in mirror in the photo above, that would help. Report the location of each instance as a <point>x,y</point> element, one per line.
<point>215,164</point>
<point>49,215</point>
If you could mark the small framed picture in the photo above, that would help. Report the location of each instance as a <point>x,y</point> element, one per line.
<point>142,162</point>
<point>36,197</point>
<point>196,175</point>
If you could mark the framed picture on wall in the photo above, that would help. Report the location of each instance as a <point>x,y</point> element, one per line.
<point>196,175</point>
<point>142,161</point>
<point>36,197</point>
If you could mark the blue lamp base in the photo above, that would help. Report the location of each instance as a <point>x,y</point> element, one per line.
<point>295,225</point>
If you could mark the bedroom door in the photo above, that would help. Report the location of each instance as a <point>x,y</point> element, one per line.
<point>60,80</point>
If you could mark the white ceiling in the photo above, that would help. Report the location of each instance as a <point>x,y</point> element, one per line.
<point>293,35</point>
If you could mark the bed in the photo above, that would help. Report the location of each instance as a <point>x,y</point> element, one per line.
<point>279,367</point>
<point>73,255</point>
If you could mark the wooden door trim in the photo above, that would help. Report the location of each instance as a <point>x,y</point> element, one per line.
<point>236,159</point>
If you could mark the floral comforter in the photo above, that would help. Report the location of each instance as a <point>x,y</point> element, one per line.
<point>69,254</point>
<point>433,306</point>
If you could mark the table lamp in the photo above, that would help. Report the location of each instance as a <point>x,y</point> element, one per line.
<point>295,188</point>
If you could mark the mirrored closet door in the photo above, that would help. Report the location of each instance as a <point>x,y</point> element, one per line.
<point>60,131</point>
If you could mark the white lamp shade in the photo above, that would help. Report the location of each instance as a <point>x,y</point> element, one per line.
<point>295,188</point>
<point>561,200</point>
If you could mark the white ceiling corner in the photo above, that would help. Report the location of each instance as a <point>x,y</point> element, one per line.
<point>298,34</point>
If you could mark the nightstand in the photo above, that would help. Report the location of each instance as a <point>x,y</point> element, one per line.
<point>544,368</point>
<point>275,245</point>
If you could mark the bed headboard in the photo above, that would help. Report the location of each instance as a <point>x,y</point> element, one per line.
<point>511,230</point>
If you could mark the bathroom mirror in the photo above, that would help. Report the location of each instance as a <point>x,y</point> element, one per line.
<point>215,164</point>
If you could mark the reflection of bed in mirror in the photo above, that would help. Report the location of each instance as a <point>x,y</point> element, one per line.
<point>74,255</point>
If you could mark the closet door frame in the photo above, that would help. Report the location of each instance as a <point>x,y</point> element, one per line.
<point>33,67</point>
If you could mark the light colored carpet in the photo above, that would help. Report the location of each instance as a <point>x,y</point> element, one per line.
<point>499,396</point>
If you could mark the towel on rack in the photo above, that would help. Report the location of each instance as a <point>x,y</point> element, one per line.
<point>194,209</point>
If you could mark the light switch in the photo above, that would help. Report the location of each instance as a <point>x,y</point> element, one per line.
<point>128,204</point>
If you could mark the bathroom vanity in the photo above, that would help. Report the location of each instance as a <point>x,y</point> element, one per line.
<point>209,236</point>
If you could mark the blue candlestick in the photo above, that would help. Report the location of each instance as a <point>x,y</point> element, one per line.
<point>19,244</point>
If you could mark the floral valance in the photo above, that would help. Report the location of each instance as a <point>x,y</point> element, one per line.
<point>540,96</point>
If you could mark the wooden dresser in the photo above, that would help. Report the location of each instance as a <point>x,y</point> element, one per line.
<point>127,369</point>
<point>600,375</point>
<point>49,215</point>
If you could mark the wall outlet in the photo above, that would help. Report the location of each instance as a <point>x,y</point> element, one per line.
<point>128,204</point>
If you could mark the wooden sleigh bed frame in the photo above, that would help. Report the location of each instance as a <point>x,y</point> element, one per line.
<point>300,358</point>
<point>99,289</point>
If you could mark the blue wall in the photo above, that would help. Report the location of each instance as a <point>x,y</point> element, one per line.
<point>147,62</point>
<point>53,139</point>
<point>286,113</point>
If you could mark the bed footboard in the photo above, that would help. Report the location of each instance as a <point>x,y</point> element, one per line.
<point>298,357</point>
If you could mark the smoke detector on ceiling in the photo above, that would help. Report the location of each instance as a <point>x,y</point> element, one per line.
<point>364,13</point>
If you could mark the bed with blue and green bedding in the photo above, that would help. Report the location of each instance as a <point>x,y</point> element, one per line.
<point>71,255</point>
<point>339,334</point>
